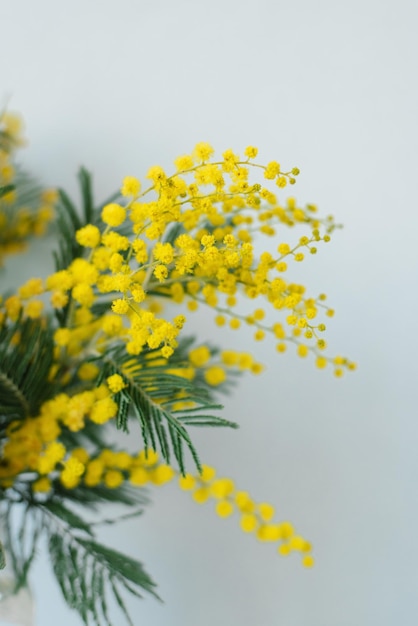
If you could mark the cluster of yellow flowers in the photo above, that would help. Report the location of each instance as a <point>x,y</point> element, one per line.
<point>21,214</point>
<point>34,447</point>
<point>188,238</point>
<point>33,452</point>
<point>139,256</point>
<point>255,517</point>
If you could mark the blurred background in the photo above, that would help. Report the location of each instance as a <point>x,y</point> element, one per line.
<point>330,87</point>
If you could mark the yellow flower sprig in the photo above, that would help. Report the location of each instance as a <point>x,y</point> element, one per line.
<point>211,261</point>
<point>18,221</point>
<point>208,234</point>
<point>112,468</point>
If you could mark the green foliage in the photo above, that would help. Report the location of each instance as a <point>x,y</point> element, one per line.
<point>157,393</point>
<point>28,194</point>
<point>153,389</point>
<point>22,525</point>
<point>94,497</point>
<point>24,368</point>
<point>70,219</point>
<point>6,189</point>
<point>2,557</point>
<point>28,190</point>
<point>88,573</point>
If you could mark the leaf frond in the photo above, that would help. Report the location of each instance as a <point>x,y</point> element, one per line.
<point>154,389</point>
<point>26,353</point>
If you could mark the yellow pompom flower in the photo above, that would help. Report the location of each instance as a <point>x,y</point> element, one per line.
<point>303,350</point>
<point>266,511</point>
<point>81,454</point>
<point>272,169</point>
<point>112,325</point>
<point>284,549</point>
<point>248,522</point>
<point>208,473</point>
<point>34,309</point>
<point>32,287</point>
<point>222,488</point>
<point>201,495</point>
<point>88,236</point>
<point>71,475</point>
<point>87,371</point>
<point>130,186</point>
<point>199,356</point>
<point>224,508</point>
<point>163,252</point>
<point>251,152</point>
<point>120,306</point>
<point>167,351</point>
<point>139,476</point>
<point>13,306</point>
<point>259,335</point>
<point>42,485</point>
<point>59,299</point>
<point>83,294</point>
<point>229,357</point>
<point>162,474</point>
<point>55,451</point>
<point>156,174</point>
<point>160,273</point>
<point>244,502</point>
<point>147,458</point>
<point>113,479</point>
<point>321,362</point>
<point>94,472</point>
<point>103,410</point>
<point>183,163</point>
<point>61,280</point>
<point>203,151</point>
<point>283,249</point>
<point>114,241</point>
<point>215,375</point>
<point>187,482</point>
<point>268,532</point>
<point>113,214</point>
<point>115,383</point>
<point>62,337</point>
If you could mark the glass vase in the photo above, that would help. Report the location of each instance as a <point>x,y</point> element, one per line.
<point>16,607</point>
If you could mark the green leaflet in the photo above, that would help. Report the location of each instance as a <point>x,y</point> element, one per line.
<point>69,219</point>
<point>151,391</point>
<point>2,557</point>
<point>88,573</point>
<point>6,189</point>
<point>24,369</point>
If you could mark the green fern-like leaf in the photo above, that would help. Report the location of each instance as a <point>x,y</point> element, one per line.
<point>70,219</point>
<point>2,557</point>
<point>24,369</point>
<point>89,572</point>
<point>5,189</point>
<point>28,190</point>
<point>151,393</point>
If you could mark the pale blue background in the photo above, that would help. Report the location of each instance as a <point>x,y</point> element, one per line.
<point>331,87</point>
